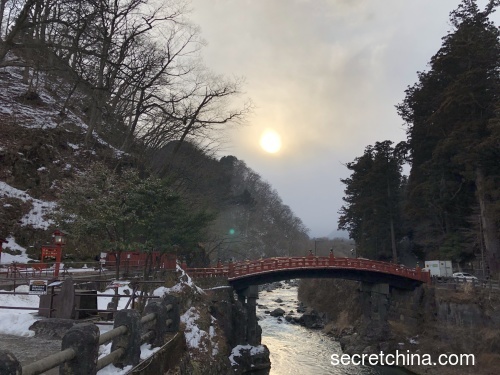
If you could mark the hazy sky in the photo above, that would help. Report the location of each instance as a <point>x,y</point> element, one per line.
<point>325,75</point>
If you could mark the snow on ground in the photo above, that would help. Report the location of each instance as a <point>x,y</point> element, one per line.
<point>236,352</point>
<point>146,352</point>
<point>213,335</point>
<point>17,322</point>
<point>196,338</point>
<point>194,335</point>
<point>36,216</point>
<point>123,288</point>
<point>12,245</point>
<point>44,116</point>
<point>185,282</point>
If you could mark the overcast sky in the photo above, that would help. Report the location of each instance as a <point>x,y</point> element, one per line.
<point>325,75</point>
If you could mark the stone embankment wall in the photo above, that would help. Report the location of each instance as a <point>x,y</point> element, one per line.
<point>429,320</point>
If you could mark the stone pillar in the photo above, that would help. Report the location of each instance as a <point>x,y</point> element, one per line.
<point>130,342</point>
<point>9,365</point>
<point>171,303</point>
<point>159,325</point>
<point>242,298</point>
<point>252,294</point>
<point>84,340</point>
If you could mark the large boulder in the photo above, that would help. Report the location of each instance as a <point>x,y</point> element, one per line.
<point>52,328</point>
<point>311,320</point>
<point>277,312</point>
<point>247,358</point>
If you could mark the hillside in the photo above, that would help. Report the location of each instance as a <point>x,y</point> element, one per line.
<point>39,150</point>
<point>43,150</point>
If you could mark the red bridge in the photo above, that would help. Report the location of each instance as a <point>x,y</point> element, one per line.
<point>243,274</point>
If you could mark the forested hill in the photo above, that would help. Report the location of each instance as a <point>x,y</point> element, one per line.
<point>109,130</point>
<point>449,205</point>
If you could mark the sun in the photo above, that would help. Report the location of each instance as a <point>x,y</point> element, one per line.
<point>270,141</point>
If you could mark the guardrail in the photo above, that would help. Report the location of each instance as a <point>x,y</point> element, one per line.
<point>240,269</point>
<point>478,283</point>
<point>80,344</point>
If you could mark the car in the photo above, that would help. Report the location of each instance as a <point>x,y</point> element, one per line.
<point>466,276</point>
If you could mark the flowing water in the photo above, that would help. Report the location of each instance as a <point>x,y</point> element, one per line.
<point>296,350</point>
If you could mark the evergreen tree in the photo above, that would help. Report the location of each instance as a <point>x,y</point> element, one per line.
<point>124,212</point>
<point>372,214</point>
<point>451,118</point>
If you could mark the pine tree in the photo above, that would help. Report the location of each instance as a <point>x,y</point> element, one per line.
<point>451,117</point>
<point>372,195</point>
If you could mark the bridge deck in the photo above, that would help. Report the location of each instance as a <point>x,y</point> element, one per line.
<point>242,270</point>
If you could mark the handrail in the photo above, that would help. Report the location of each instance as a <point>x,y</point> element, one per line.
<point>110,335</point>
<point>109,359</point>
<point>49,362</point>
<point>58,359</point>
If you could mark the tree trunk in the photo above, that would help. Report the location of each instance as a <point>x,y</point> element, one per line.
<point>393,243</point>
<point>391,215</point>
<point>2,11</point>
<point>489,228</point>
<point>18,25</point>
<point>118,258</point>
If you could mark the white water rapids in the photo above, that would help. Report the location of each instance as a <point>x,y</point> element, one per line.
<point>296,350</point>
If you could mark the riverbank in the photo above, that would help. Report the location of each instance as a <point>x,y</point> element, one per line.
<point>427,321</point>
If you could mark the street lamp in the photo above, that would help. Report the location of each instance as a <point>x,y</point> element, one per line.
<point>2,241</point>
<point>59,242</point>
<point>59,239</point>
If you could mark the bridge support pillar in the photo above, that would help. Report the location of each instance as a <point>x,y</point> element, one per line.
<point>249,297</point>
<point>375,300</point>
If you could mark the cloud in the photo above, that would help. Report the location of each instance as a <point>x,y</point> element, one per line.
<point>326,75</point>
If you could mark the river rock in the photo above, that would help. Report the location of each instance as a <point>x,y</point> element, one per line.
<point>245,357</point>
<point>53,328</point>
<point>311,320</point>
<point>278,300</point>
<point>277,312</point>
<point>301,308</point>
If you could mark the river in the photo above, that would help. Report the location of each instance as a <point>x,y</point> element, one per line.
<point>296,350</point>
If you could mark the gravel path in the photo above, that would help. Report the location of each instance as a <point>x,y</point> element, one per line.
<point>30,349</point>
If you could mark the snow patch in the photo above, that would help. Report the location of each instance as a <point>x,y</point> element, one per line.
<point>36,217</point>
<point>193,333</point>
<point>236,352</point>
<point>17,322</point>
<point>12,245</point>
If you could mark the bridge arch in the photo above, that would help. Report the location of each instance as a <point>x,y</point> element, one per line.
<point>244,274</point>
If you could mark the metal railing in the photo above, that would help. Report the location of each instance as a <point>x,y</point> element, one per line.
<point>475,282</point>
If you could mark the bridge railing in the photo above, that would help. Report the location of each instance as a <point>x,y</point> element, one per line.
<point>240,269</point>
